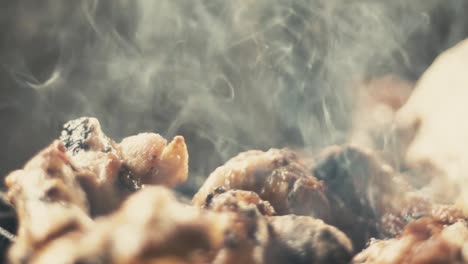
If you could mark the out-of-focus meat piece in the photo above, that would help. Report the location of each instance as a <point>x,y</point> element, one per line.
<point>360,189</point>
<point>246,236</point>
<point>246,233</point>
<point>433,124</point>
<point>278,176</point>
<point>156,227</point>
<point>150,226</point>
<point>148,157</point>
<point>48,200</point>
<point>369,200</point>
<point>413,206</point>
<point>423,241</point>
<point>303,239</point>
<point>221,200</point>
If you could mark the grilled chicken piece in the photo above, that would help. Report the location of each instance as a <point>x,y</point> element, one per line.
<point>147,155</point>
<point>91,149</point>
<point>113,171</point>
<point>221,200</point>
<point>246,236</point>
<point>278,176</point>
<point>48,201</point>
<point>423,241</point>
<point>152,224</point>
<point>290,238</point>
<point>153,227</point>
<point>150,227</point>
<point>104,179</point>
<point>303,239</point>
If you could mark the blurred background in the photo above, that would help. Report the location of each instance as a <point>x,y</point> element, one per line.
<point>227,75</point>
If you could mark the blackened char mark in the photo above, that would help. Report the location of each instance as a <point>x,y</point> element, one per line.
<point>127,182</point>
<point>75,133</point>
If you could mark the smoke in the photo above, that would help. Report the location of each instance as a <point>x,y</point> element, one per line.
<point>228,75</point>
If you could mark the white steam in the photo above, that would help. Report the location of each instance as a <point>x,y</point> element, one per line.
<point>228,75</point>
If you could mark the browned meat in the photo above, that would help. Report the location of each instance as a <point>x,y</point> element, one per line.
<point>221,200</point>
<point>112,171</point>
<point>303,239</point>
<point>290,239</point>
<point>424,241</point>
<point>103,177</point>
<point>151,225</point>
<point>278,176</point>
<point>57,191</point>
<point>360,190</point>
<point>246,234</point>
<point>48,200</point>
<point>414,206</point>
<point>234,218</point>
<point>147,155</point>
<point>137,233</point>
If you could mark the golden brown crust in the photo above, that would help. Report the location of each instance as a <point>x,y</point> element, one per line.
<point>278,176</point>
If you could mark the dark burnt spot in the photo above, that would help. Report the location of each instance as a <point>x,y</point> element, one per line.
<point>219,190</point>
<point>251,225</point>
<point>347,173</point>
<point>107,149</point>
<point>52,172</point>
<point>231,240</point>
<point>250,213</point>
<point>210,196</point>
<point>75,134</point>
<point>262,208</point>
<point>209,199</point>
<point>281,162</point>
<point>326,235</point>
<point>127,181</point>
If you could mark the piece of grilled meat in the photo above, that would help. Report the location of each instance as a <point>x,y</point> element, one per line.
<point>278,176</point>
<point>49,202</point>
<point>290,238</point>
<point>113,171</point>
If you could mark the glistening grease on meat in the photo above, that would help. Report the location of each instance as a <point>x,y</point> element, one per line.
<point>278,176</point>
